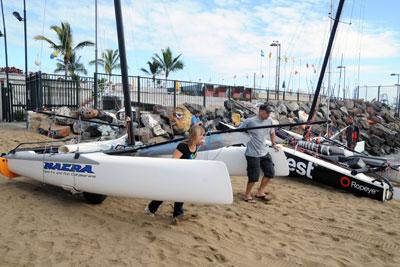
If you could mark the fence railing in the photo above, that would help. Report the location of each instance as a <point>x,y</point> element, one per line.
<point>149,91</point>
<point>52,91</point>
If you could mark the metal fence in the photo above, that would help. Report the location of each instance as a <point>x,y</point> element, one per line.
<point>148,91</point>
<point>51,91</point>
<point>387,94</point>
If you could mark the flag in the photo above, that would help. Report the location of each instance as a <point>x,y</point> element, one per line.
<point>270,55</point>
<point>262,53</point>
<point>54,54</point>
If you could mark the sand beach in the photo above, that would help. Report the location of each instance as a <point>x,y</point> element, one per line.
<point>304,225</point>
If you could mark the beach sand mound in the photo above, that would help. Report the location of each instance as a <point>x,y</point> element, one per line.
<point>304,225</point>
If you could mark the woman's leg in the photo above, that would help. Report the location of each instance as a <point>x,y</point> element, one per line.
<point>154,205</point>
<point>178,209</point>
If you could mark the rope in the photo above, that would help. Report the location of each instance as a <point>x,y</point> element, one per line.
<point>44,21</point>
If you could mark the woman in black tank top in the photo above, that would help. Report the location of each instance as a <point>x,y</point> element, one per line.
<point>187,149</point>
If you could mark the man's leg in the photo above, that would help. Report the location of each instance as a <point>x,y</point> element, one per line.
<point>249,187</point>
<point>253,173</point>
<point>178,209</point>
<point>268,168</point>
<point>154,205</point>
<point>263,185</point>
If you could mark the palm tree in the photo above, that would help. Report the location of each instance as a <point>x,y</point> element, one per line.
<point>167,62</point>
<point>73,68</point>
<point>109,61</point>
<point>154,69</point>
<point>64,44</point>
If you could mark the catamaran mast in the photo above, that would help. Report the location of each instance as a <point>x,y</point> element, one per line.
<point>124,71</point>
<point>325,62</point>
<point>95,55</point>
<point>327,93</point>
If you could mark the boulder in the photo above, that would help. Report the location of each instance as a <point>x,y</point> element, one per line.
<point>88,113</point>
<point>150,120</point>
<point>80,127</point>
<point>92,131</point>
<point>195,108</point>
<point>220,113</point>
<point>168,129</point>
<point>292,106</point>
<point>375,141</point>
<point>285,120</point>
<point>64,111</point>
<point>356,112</point>
<point>382,131</point>
<point>144,134</point>
<point>338,115</point>
<point>58,131</point>
<point>304,107</point>
<point>388,115</point>
<point>343,109</point>
<point>370,110</point>
<point>163,111</point>
<point>35,119</point>
<point>364,123</point>
<point>376,119</point>
<point>247,108</point>
<point>377,106</point>
<point>159,131</point>
<point>108,131</point>
<point>281,109</point>
<point>339,103</point>
<point>349,104</point>
<point>108,117</point>
<point>302,115</point>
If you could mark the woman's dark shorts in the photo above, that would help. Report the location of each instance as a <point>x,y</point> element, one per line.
<point>254,164</point>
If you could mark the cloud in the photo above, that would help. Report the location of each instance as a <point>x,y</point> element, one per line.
<point>223,36</point>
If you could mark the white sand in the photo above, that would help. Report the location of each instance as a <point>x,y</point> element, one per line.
<point>305,224</point>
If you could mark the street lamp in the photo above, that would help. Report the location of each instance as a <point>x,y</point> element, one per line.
<point>278,65</point>
<point>344,81</point>
<point>398,96</point>
<point>19,18</point>
<point>5,47</point>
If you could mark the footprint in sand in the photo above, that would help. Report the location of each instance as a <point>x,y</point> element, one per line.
<point>150,236</point>
<point>199,238</point>
<point>46,244</point>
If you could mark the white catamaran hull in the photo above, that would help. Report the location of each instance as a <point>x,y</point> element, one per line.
<point>195,181</point>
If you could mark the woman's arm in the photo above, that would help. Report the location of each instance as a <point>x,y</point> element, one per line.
<point>177,154</point>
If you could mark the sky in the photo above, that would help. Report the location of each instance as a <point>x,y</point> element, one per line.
<point>221,40</point>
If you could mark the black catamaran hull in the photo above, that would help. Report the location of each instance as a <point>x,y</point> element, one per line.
<point>321,171</point>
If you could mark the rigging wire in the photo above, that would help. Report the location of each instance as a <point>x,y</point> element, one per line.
<point>41,45</point>
<point>171,26</point>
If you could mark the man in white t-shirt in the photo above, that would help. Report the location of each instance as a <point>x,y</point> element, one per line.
<point>257,155</point>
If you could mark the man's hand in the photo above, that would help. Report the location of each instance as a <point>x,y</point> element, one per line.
<point>275,147</point>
